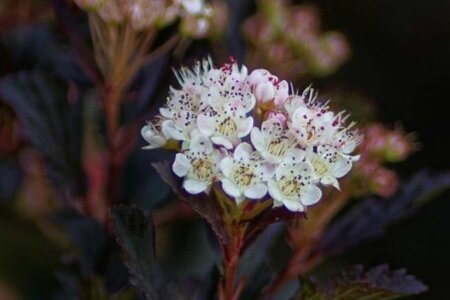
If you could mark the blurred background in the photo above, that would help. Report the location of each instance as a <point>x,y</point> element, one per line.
<point>399,63</point>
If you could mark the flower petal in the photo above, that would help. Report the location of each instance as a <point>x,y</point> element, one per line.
<point>293,205</point>
<point>264,92</point>
<point>194,186</point>
<point>256,191</point>
<point>242,152</point>
<point>294,156</point>
<point>169,130</point>
<point>310,195</point>
<point>274,192</point>
<point>258,139</point>
<point>341,167</point>
<point>230,188</point>
<point>245,127</point>
<point>226,166</point>
<point>181,165</point>
<point>222,141</point>
<point>206,124</point>
<point>330,180</point>
<point>201,143</point>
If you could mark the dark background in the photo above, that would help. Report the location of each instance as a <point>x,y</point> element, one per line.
<point>401,59</point>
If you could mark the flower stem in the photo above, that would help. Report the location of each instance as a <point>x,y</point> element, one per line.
<point>231,261</point>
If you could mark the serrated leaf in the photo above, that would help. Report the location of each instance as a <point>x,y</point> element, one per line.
<point>41,105</point>
<point>371,216</point>
<point>379,283</point>
<point>211,207</point>
<point>134,228</point>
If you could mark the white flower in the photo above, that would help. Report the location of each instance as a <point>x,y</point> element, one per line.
<point>347,140</point>
<point>274,142</point>
<point>193,6</point>
<point>312,126</point>
<point>229,101</point>
<point>294,186</point>
<point>199,165</point>
<point>226,122</point>
<point>330,164</point>
<point>245,174</point>
<point>268,87</point>
<point>153,136</point>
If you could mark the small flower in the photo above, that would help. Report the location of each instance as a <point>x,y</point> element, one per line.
<point>245,174</point>
<point>226,122</point>
<point>274,142</point>
<point>268,87</point>
<point>294,185</point>
<point>143,14</point>
<point>198,165</point>
<point>153,136</point>
<point>330,164</point>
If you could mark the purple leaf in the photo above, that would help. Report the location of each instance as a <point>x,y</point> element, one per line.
<point>371,216</point>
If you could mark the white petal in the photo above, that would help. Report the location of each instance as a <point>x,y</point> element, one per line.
<point>165,112</point>
<point>341,167</point>
<point>201,144</point>
<point>243,152</point>
<point>274,192</point>
<point>206,124</point>
<point>282,94</point>
<point>256,191</point>
<point>192,6</point>
<point>310,194</point>
<point>330,180</point>
<point>294,156</point>
<point>258,139</point>
<point>181,165</point>
<point>194,186</point>
<point>293,205</point>
<point>268,170</point>
<point>169,130</point>
<point>264,92</point>
<point>245,127</point>
<point>155,142</point>
<point>226,166</point>
<point>219,140</point>
<point>230,188</point>
<point>249,102</point>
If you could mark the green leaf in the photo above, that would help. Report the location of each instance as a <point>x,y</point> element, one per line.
<point>135,233</point>
<point>379,283</point>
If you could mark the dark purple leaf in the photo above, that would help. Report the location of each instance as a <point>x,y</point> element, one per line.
<point>88,236</point>
<point>11,177</point>
<point>379,283</point>
<point>78,41</point>
<point>41,105</point>
<point>134,228</point>
<point>371,216</point>
<point>206,207</point>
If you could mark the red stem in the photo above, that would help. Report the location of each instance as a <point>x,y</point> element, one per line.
<point>231,253</point>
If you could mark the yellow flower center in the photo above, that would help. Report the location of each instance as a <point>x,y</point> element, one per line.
<point>227,127</point>
<point>290,187</point>
<point>243,175</point>
<point>203,169</point>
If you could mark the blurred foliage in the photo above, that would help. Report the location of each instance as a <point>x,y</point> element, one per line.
<point>52,248</point>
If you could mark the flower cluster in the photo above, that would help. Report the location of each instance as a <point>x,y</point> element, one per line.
<point>253,134</point>
<point>195,15</point>
<point>380,146</point>
<point>294,43</point>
